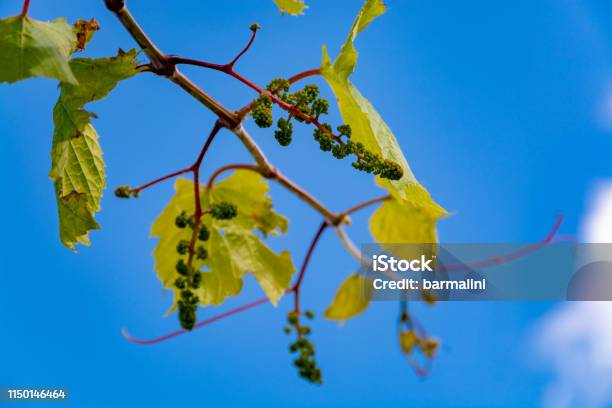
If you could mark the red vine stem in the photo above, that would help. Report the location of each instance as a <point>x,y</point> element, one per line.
<point>138,189</point>
<point>498,260</point>
<point>245,49</point>
<point>221,170</point>
<point>550,237</point>
<point>305,74</point>
<point>366,204</point>
<point>195,166</point>
<point>26,7</point>
<point>229,70</point>
<point>196,185</point>
<point>197,326</point>
<point>161,64</point>
<point>296,287</point>
<point>275,174</point>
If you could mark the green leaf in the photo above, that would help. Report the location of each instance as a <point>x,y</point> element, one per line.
<point>32,48</point>
<point>412,203</point>
<point>411,220</point>
<point>77,168</point>
<point>352,298</point>
<point>367,125</point>
<point>234,247</point>
<point>291,7</point>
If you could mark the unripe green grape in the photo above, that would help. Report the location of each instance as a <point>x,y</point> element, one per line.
<point>191,221</point>
<point>182,268</point>
<point>203,233</point>
<point>197,278</point>
<point>223,210</point>
<point>320,107</point>
<point>182,247</point>
<point>179,283</point>
<point>262,111</point>
<point>345,130</point>
<point>181,220</point>
<point>123,192</point>
<point>340,151</point>
<point>391,170</point>
<point>292,318</point>
<point>278,85</point>
<point>284,132</point>
<point>186,295</point>
<point>325,143</point>
<point>311,91</point>
<point>201,253</point>
<point>187,317</point>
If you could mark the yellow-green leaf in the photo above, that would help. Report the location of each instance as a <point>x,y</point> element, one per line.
<point>77,168</point>
<point>291,7</point>
<point>412,205</point>
<point>411,220</point>
<point>408,339</point>
<point>234,247</point>
<point>351,299</point>
<point>32,48</point>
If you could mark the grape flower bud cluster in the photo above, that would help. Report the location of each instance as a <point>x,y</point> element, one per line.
<point>305,361</point>
<point>190,278</point>
<point>308,107</point>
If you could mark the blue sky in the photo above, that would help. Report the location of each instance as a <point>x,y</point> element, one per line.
<point>504,111</point>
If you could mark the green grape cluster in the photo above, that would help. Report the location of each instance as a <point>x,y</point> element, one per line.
<point>190,278</point>
<point>284,132</point>
<point>223,210</point>
<point>125,192</point>
<point>311,107</point>
<point>305,361</point>
<point>366,160</point>
<point>261,111</point>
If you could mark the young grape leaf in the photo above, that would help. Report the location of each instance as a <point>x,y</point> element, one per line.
<point>415,203</point>
<point>234,247</point>
<point>32,48</point>
<point>77,168</point>
<point>291,7</point>
<point>351,299</point>
<point>411,220</point>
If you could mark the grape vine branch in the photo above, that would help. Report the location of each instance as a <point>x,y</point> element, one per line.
<point>218,221</point>
<point>165,65</point>
<point>551,236</point>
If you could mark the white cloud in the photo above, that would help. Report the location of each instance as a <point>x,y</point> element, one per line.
<point>597,225</point>
<point>575,339</point>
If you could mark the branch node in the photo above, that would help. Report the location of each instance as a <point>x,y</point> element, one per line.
<point>115,5</point>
